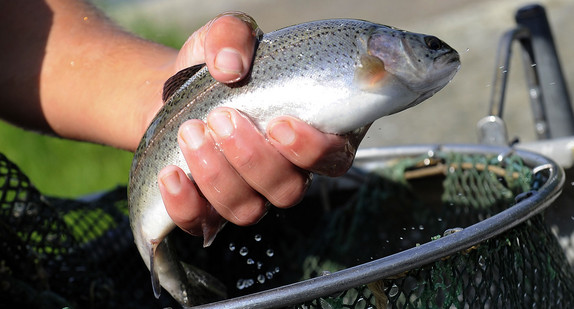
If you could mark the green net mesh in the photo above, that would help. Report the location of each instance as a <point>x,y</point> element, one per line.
<point>58,252</point>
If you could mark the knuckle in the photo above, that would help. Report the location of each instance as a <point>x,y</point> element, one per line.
<point>290,193</point>
<point>249,213</point>
<point>245,161</point>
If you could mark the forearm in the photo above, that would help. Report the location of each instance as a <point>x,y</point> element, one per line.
<point>95,82</point>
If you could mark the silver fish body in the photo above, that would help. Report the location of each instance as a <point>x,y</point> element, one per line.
<point>337,75</point>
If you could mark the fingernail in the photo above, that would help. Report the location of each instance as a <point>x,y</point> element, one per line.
<point>228,60</point>
<point>282,132</point>
<point>220,123</point>
<point>192,135</point>
<point>171,182</point>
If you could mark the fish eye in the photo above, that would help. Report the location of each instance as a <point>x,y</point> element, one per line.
<point>433,42</point>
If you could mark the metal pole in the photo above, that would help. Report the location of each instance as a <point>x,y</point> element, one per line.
<point>556,98</point>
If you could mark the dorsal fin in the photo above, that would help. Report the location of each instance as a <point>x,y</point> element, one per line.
<point>176,81</point>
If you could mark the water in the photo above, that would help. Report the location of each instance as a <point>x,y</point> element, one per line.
<point>243,251</point>
<point>244,283</point>
<point>394,290</point>
<point>482,262</point>
<point>270,252</point>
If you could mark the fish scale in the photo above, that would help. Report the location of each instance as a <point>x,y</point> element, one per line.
<point>337,75</point>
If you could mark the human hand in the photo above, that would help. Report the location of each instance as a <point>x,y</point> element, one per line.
<point>236,169</point>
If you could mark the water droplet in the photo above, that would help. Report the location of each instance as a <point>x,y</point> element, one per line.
<point>259,265</point>
<point>452,231</point>
<point>325,273</point>
<point>261,278</point>
<point>394,290</point>
<point>361,303</point>
<point>231,246</point>
<point>533,65</point>
<point>243,251</point>
<point>244,283</point>
<point>270,252</point>
<point>482,262</point>
<point>421,227</point>
<point>276,270</point>
<point>269,275</point>
<point>258,237</point>
<point>250,261</point>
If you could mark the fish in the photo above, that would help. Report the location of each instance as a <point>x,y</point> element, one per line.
<point>338,75</point>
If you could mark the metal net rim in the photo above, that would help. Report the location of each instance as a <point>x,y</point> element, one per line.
<point>400,262</point>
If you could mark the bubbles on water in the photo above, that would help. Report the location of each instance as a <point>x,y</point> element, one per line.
<point>243,251</point>
<point>231,246</point>
<point>261,278</point>
<point>269,275</point>
<point>258,237</point>
<point>250,261</point>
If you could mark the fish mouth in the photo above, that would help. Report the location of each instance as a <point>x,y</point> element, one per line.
<point>448,57</point>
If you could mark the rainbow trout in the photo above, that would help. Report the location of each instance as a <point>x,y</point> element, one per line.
<point>337,75</point>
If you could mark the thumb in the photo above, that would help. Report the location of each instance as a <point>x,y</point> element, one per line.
<point>226,44</point>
